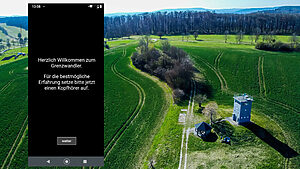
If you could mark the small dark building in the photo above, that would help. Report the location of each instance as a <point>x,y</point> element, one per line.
<point>202,129</point>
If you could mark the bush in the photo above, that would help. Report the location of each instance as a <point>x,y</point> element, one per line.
<point>277,46</point>
<point>165,45</point>
<point>178,95</point>
<point>171,64</point>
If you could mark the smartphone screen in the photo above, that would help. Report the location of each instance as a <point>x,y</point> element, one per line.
<point>65,74</point>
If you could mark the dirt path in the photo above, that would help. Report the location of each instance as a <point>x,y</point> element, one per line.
<point>219,71</point>
<point>133,115</point>
<point>186,129</point>
<point>261,77</point>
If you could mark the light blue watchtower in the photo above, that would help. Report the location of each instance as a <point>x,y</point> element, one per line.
<point>242,108</point>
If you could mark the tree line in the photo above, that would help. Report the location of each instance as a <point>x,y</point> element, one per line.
<point>189,22</point>
<point>18,21</point>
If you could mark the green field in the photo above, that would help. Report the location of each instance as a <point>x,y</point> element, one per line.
<point>13,109</point>
<point>271,77</point>
<point>134,105</point>
<point>120,42</point>
<point>141,121</point>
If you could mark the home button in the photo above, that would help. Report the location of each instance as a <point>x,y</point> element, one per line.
<point>67,161</point>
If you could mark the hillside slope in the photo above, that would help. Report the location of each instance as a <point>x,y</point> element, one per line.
<point>11,32</point>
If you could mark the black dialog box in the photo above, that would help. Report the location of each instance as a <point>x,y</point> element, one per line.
<point>65,77</point>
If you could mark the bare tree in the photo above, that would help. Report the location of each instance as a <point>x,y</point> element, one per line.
<point>144,43</point>
<point>226,35</point>
<point>8,43</point>
<point>165,45</point>
<point>257,34</point>
<point>239,37</point>
<point>211,111</point>
<point>270,38</point>
<point>187,37</point>
<point>251,38</point>
<point>160,34</point>
<point>195,35</point>
<point>200,99</point>
<point>178,95</point>
<point>294,40</point>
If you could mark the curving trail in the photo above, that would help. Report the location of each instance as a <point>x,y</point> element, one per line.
<point>217,67</point>
<point>214,70</point>
<point>133,115</point>
<point>217,71</point>
<point>263,90</point>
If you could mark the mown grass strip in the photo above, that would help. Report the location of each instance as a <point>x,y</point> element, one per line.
<point>134,113</point>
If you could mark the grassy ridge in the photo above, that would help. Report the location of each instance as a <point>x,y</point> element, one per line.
<point>128,149</point>
<point>118,105</point>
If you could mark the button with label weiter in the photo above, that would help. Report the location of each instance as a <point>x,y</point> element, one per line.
<point>66,141</point>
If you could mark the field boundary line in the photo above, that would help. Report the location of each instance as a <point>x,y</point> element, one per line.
<point>133,116</point>
<point>17,138</point>
<point>19,144</point>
